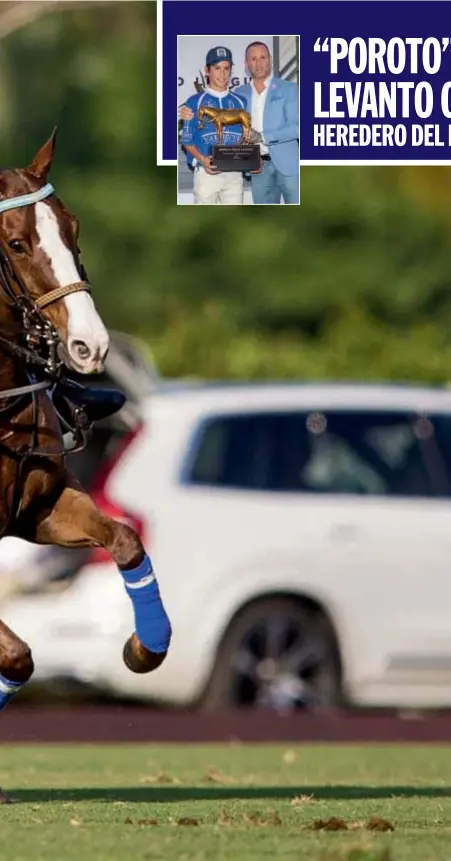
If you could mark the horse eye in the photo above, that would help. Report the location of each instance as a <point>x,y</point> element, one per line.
<point>17,246</point>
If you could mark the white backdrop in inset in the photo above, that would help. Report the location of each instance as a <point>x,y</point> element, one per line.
<point>192,51</point>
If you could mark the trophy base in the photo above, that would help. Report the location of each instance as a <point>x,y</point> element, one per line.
<point>241,158</point>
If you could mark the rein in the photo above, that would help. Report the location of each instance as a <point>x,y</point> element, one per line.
<point>26,390</point>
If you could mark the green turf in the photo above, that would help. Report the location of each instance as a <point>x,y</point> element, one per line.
<point>224,803</point>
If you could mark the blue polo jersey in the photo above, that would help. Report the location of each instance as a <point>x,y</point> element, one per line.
<point>207,137</point>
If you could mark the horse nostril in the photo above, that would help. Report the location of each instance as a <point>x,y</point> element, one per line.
<point>81,350</point>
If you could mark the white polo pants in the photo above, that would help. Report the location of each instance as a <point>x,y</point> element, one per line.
<point>220,188</point>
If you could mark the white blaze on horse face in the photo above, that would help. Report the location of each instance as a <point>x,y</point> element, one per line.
<point>85,330</point>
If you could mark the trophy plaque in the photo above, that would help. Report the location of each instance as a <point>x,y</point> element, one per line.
<point>238,157</point>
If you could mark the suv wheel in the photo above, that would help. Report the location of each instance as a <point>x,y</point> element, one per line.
<point>277,654</point>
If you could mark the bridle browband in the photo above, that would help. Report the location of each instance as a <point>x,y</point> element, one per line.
<point>59,292</point>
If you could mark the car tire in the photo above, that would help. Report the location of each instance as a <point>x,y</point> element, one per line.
<point>277,653</point>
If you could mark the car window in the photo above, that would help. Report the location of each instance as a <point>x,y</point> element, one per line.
<point>237,451</point>
<point>334,466</point>
<point>344,452</point>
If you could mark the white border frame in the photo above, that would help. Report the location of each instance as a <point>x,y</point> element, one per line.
<point>160,161</point>
<point>303,162</point>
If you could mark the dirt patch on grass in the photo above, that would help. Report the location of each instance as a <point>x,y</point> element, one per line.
<point>374,823</point>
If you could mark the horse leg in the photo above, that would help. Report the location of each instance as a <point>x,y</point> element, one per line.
<point>219,131</point>
<point>16,667</point>
<point>75,521</point>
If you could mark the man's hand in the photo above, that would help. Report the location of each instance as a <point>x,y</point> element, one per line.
<point>247,135</point>
<point>207,164</point>
<point>186,113</point>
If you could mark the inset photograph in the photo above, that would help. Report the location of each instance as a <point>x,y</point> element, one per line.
<point>238,128</point>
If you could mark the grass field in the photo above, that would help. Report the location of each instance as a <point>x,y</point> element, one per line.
<point>225,803</point>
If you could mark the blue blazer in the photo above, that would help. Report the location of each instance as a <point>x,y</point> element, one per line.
<point>280,123</point>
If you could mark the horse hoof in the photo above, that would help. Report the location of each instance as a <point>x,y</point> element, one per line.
<point>138,659</point>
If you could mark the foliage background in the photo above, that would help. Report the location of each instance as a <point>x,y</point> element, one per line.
<point>353,283</point>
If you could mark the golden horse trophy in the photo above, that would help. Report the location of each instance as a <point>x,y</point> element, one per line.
<point>242,157</point>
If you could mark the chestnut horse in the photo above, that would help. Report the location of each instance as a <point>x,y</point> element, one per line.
<point>48,322</point>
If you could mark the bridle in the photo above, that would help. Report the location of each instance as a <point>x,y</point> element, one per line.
<point>70,400</point>
<point>40,351</point>
<point>37,330</point>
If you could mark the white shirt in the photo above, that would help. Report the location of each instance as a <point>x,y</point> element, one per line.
<point>217,93</point>
<point>258,106</point>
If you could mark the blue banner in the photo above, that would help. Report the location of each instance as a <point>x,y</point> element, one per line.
<point>375,77</point>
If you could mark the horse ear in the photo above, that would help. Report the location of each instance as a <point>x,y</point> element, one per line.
<point>42,161</point>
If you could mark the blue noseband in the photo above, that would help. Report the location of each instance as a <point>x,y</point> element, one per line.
<point>27,199</point>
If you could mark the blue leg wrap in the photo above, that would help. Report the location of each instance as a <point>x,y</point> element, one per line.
<point>151,622</point>
<point>7,691</point>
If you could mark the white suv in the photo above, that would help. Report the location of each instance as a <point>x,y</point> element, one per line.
<point>302,539</point>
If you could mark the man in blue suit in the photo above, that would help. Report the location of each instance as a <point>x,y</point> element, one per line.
<point>274,105</point>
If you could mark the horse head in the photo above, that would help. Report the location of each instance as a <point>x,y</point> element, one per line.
<point>40,268</point>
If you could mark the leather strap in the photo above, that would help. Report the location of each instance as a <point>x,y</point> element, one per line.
<point>25,390</point>
<point>60,292</point>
